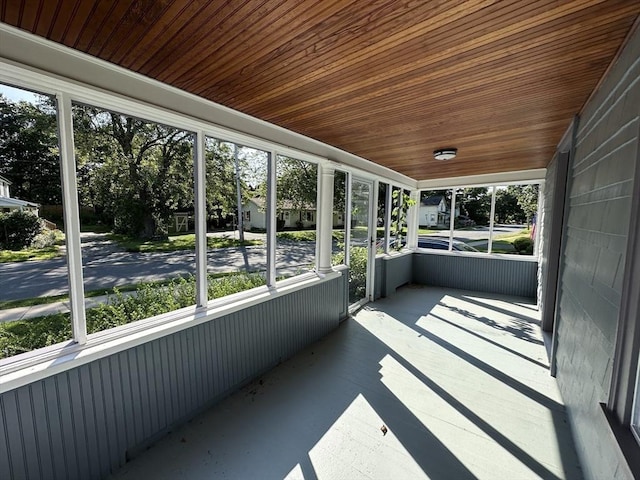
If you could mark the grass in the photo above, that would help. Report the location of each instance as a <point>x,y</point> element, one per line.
<point>176,243</point>
<point>46,253</point>
<point>307,235</point>
<point>510,237</point>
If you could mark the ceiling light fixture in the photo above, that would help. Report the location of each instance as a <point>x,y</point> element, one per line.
<point>445,153</point>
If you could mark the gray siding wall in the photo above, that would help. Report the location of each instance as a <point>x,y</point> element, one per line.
<point>592,264</point>
<point>85,422</point>
<point>392,272</point>
<point>547,209</point>
<point>482,273</point>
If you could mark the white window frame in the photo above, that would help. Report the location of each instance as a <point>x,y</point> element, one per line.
<point>31,366</point>
<point>493,186</point>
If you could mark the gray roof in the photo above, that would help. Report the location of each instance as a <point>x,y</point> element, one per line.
<point>432,200</point>
<point>14,202</point>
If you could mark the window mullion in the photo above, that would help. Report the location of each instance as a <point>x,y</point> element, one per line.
<point>71,218</point>
<point>491,218</point>
<point>452,220</point>
<point>347,217</point>
<point>201,219</point>
<point>271,219</point>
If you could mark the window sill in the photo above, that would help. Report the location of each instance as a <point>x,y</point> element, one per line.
<point>500,256</point>
<point>628,447</point>
<point>33,366</point>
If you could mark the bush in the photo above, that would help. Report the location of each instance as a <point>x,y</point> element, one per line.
<point>18,229</point>
<point>120,309</point>
<point>523,245</point>
<point>47,238</point>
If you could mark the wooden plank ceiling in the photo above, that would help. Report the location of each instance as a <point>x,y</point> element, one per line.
<point>387,80</point>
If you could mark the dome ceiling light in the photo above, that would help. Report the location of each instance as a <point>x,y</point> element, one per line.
<point>445,153</point>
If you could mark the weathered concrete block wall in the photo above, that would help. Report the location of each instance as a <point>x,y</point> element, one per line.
<point>592,264</point>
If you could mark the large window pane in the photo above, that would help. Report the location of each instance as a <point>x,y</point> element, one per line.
<point>296,190</point>
<point>34,279</point>
<point>236,179</point>
<point>434,219</point>
<point>471,221</point>
<point>136,196</point>
<point>359,240</point>
<point>381,217</point>
<point>339,217</point>
<point>515,219</point>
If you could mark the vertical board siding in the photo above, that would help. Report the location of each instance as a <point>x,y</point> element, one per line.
<point>593,258</point>
<point>86,422</point>
<point>398,271</point>
<point>482,274</point>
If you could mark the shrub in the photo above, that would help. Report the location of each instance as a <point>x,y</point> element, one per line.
<point>18,229</point>
<point>46,238</point>
<point>120,309</point>
<point>523,245</point>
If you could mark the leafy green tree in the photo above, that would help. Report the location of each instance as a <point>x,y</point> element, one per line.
<point>296,185</point>
<point>29,150</point>
<point>527,196</point>
<point>140,173</point>
<point>507,209</point>
<point>221,180</point>
<point>475,202</point>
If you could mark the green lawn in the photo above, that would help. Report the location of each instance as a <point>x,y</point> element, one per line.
<point>510,237</point>
<point>46,253</point>
<point>176,242</point>
<point>307,235</point>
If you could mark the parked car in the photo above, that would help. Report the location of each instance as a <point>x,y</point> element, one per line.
<point>436,243</point>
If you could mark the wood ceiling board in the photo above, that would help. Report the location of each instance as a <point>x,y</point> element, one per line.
<point>481,73</point>
<point>474,72</point>
<point>386,72</point>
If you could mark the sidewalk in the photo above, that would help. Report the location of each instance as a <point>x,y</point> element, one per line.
<point>25,313</point>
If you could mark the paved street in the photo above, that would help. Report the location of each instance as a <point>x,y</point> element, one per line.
<point>106,266</point>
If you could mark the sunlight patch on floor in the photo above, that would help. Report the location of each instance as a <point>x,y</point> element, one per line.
<point>355,446</point>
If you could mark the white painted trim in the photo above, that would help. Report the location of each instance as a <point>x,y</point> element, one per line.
<point>495,256</point>
<point>520,177</point>
<point>200,183</point>
<point>492,216</point>
<point>71,218</point>
<point>33,366</point>
<point>271,218</point>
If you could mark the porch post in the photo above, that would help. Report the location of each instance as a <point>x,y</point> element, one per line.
<point>412,220</point>
<point>325,218</point>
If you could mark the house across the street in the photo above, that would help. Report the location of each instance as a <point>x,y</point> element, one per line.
<point>8,204</point>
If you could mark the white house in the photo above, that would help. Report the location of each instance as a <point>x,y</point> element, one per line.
<point>255,214</point>
<point>8,204</point>
<point>434,211</point>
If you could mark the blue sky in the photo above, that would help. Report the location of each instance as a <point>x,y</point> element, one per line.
<point>16,94</point>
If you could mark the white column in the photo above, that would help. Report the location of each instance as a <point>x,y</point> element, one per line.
<point>71,218</point>
<point>201,219</point>
<point>412,219</point>
<point>325,218</point>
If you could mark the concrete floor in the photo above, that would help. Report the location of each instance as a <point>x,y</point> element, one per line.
<point>459,380</point>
